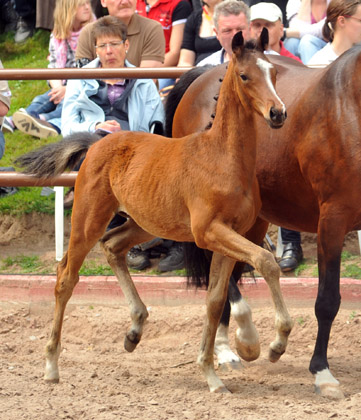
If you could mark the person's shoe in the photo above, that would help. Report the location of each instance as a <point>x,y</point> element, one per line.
<point>291,257</point>
<point>69,199</point>
<point>174,260</point>
<point>6,191</point>
<point>7,126</point>
<point>33,126</point>
<point>24,30</point>
<point>137,259</point>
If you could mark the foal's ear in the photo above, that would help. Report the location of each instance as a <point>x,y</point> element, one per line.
<point>238,43</point>
<point>262,42</point>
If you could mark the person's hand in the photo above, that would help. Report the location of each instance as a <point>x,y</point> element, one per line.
<point>57,94</point>
<point>111,126</point>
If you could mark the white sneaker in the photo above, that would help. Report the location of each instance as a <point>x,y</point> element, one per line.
<point>33,126</point>
<point>7,126</point>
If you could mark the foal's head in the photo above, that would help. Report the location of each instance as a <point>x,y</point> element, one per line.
<point>256,78</point>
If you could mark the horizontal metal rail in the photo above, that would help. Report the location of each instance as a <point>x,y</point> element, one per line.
<point>75,73</point>
<point>15,179</point>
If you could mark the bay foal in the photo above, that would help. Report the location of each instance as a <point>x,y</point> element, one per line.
<point>198,188</point>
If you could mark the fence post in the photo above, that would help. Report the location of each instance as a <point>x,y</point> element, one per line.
<point>59,222</point>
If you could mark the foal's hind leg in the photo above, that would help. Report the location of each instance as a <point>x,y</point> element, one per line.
<point>89,221</point>
<point>115,244</point>
<point>247,339</point>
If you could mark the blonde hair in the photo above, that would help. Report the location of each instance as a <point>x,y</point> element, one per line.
<point>64,13</point>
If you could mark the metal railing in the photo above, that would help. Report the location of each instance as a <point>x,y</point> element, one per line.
<point>14,179</point>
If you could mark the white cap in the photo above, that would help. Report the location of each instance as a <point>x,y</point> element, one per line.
<point>266,11</point>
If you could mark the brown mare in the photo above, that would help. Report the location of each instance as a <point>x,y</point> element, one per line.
<point>177,189</point>
<point>309,173</point>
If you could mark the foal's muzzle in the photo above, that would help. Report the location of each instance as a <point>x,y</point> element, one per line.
<point>277,117</point>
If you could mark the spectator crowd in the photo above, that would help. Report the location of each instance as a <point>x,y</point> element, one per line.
<point>157,33</point>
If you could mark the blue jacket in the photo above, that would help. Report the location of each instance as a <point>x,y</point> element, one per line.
<point>82,114</point>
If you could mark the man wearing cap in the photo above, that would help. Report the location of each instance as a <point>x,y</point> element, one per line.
<point>269,15</point>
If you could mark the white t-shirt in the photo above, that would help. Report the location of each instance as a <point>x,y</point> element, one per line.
<point>325,56</point>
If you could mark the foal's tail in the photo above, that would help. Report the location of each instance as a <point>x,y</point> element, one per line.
<point>53,159</point>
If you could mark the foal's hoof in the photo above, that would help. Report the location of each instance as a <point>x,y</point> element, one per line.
<point>221,390</point>
<point>51,380</point>
<point>274,356</point>
<point>234,365</point>
<point>130,343</point>
<point>248,352</point>
<point>332,391</point>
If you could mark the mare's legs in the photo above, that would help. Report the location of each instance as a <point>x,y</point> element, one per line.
<point>115,244</point>
<point>89,220</point>
<point>330,241</point>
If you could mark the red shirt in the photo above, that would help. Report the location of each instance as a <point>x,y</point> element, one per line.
<point>167,13</point>
<point>286,53</point>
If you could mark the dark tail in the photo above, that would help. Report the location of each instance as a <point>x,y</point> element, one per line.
<point>55,158</point>
<point>176,94</point>
<point>198,263</point>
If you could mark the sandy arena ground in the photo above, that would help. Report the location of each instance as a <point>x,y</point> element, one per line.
<point>160,380</point>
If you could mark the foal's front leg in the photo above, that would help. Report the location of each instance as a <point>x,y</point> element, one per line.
<point>221,268</point>
<point>220,238</point>
<point>116,244</point>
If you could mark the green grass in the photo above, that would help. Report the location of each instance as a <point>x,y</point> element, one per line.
<point>31,54</point>
<point>352,271</point>
<point>91,268</point>
<point>22,263</point>
<point>346,256</point>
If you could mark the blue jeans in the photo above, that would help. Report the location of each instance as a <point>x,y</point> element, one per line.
<point>2,144</point>
<point>165,82</point>
<point>42,105</point>
<point>305,47</point>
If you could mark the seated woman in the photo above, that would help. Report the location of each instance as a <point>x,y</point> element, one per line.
<point>112,105</point>
<point>304,34</point>
<point>342,28</point>
<point>42,117</point>
<point>115,104</point>
<point>199,39</point>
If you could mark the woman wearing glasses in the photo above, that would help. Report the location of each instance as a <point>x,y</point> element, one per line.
<point>342,28</point>
<point>110,105</point>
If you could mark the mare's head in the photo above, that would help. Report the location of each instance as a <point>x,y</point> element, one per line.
<point>256,78</point>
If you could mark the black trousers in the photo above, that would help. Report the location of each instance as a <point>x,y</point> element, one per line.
<point>290,236</point>
<point>26,9</point>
